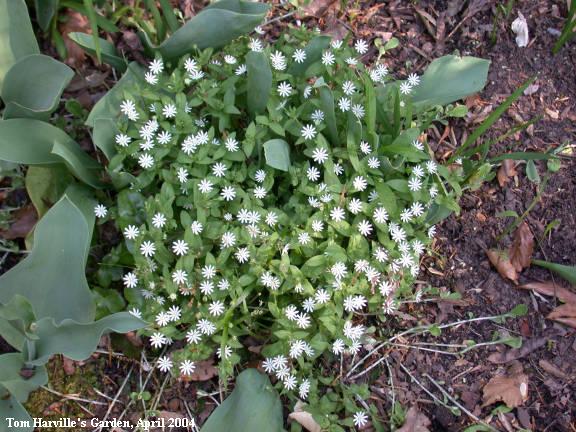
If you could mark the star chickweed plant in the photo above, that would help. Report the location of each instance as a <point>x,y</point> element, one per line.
<point>221,245</point>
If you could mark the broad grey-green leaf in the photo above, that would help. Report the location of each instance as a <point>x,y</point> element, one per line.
<point>76,340</point>
<point>314,51</point>
<point>327,106</point>
<point>109,106</point>
<point>107,50</point>
<point>15,319</point>
<point>52,276</point>
<point>34,142</point>
<point>450,78</point>
<point>103,136</point>
<point>11,408</point>
<point>259,81</point>
<point>277,153</point>
<point>13,382</point>
<point>214,27</point>
<point>33,86</point>
<point>45,10</point>
<point>46,185</point>
<point>254,405</point>
<point>17,38</point>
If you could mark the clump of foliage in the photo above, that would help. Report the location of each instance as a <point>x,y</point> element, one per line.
<point>284,192</point>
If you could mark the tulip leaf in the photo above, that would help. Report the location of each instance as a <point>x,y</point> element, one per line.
<point>564,271</point>
<point>75,340</point>
<point>45,185</point>
<point>11,381</point>
<point>11,408</point>
<point>259,81</point>
<point>314,52</point>
<point>17,38</point>
<point>107,50</point>
<point>450,78</point>
<point>34,142</point>
<point>52,276</point>
<point>45,11</point>
<point>254,405</point>
<point>33,86</point>
<point>277,153</point>
<point>214,27</point>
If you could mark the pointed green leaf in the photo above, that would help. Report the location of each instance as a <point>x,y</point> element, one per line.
<point>17,38</point>
<point>76,340</point>
<point>46,185</point>
<point>13,382</point>
<point>564,271</point>
<point>450,78</point>
<point>254,405</point>
<point>214,27</point>
<point>259,81</point>
<point>45,11</point>
<point>33,86</point>
<point>107,50</point>
<point>277,153</point>
<point>52,276</point>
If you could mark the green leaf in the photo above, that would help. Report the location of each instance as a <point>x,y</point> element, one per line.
<point>17,38</point>
<point>15,319</point>
<point>45,186</point>
<point>76,340</point>
<point>277,153</point>
<point>45,11</point>
<point>214,27</point>
<point>327,105</point>
<point>313,51</point>
<point>518,311</point>
<point>10,379</point>
<point>103,136</point>
<point>52,276</point>
<point>259,81</point>
<point>107,50</point>
<point>450,78</point>
<point>33,86</point>
<point>532,172</point>
<point>437,213</point>
<point>11,408</point>
<point>254,405</point>
<point>564,271</point>
<point>33,142</point>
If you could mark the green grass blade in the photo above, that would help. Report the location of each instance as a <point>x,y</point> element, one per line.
<point>169,15</point>
<point>158,22</point>
<point>91,14</point>
<point>568,30</point>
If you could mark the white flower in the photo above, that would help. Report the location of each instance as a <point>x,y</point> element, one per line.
<point>164,364</point>
<point>206,327</point>
<point>159,220</point>
<point>322,296</point>
<point>338,270</point>
<point>304,389</point>
<point>162,319</point>
<point>336,44</point>
<point>216,308</point>
<point>405,88</point>
<point>290,382</point>
<point>398,234</point>
<point>179,277</point>
<point>337,214</point>
<point>164,137</point>
<point>271,219</point>
<point>157,340</point>
<point>151,78</point>
<point>268,365</point>
<point>413,79</point>
<point>417,209</point>
<point>130,280</point>
<point>260,192</point>
<point>255,45</point>
<point>433,191</point>
<point>365,228</point>
<point>100,211</point>
<point>373,163</point>
<point>156,66</point>
<point>418,171</point>
<point>303,321</point>
<point>299,56</point>
<point>147,248</point>
<point>385,288</point>
<point>242,255</point>
<point>241,70</point>
<point>227,352</point>
<point>206,287</point>
<point>205,186</point>
<point>180,247</point>
<point>361,46</point>
<point>123,140</point>
<point>209,271</point>
<point>414,184</point>
<point>128,108</point>
<point>358,111</point>
<point>338,346</point>
<point>307,92</point>
<point>145,161</point>
<point>351,61</point>
<point>187,367</point>
<point>382,70</point>
<point>169,111</point>
<point>296,348</point>
<point>344,104</point>
<point>360,419</point>
<point>219,169</point>
<point>320,155</point>
<point>291,312</point>
<point>304,238</point>
<point>418,145</point>
<point>431,231</point>
<point>228,193</point>
<point>389,306</point>
<point>348,88</point>
<point>355,206</point>
<point>308,132</point>
<point>317,116</point>
<point>328,58</point>
<point>381,255</point>
<point>147,145</point>
<point>174,313</point>
<point>313,174</point>
<point>131,232</point>
<point>338,170</point>
<point>197,75</point>
<point>223,285</point>
<point>190,65</point>
<point>278,60</point>
<point>284,89</point>
<point>230,59</point>
<point>182,175</point>
<point>406,215</point>
<point>360,183</point>
<point>317,226</point>
<point>231,144</point>
<point>380,215</point>
<point>228,239</point>
<point>431,167</point>
<point>260,176</point>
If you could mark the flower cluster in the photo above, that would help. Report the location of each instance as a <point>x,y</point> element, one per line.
<point>222,245</point>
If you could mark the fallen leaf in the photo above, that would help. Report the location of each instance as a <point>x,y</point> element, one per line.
<point>565,314</point>
<point>24,220</point>
<point>551,289</point>
<point>531,89</point>
<point>528,346</point>
<point>506,171</point>
<point>553,114</point>
<point>522,247</point>
<point>512,388</point>
<point>204,371</point>
<point>520,28</point>
<point>317,8</point>
<point>553,369</point>
<point>501,261</point>
<point>74,22</point>
<point>306,421</point>
<point>68,365</point>
<point>415,421</point>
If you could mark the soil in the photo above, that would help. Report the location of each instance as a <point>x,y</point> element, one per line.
<point>429,29</point>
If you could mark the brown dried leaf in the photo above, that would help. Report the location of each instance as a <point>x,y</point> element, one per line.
<point>24,220</point>
<point>317,8</point>
<point>565,314</point>
<point>501,261</point>
<point>551,289</point>
<point>68,365</point>
<point>204,371</point>
<point>74,22</point>
<point>512,389</point>
<point>306,420</point>
<point>415,422</point>
<point>528,346</point>
<point>522,247</point>
<point>506,171</point>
